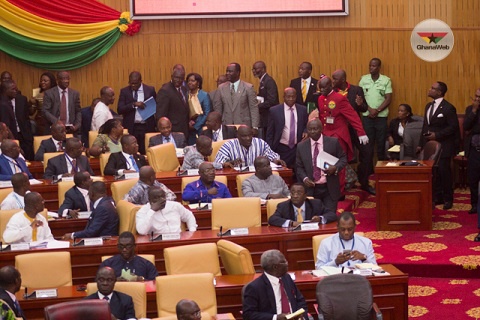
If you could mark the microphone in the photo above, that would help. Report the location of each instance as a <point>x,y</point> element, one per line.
<point>151,236</point>
<point>1,246</point>
<point>25,295</point>
<point>220,234</point>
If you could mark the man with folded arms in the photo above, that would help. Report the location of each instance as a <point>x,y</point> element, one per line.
<point>77,199</point>
<point>263,183</point>
<point>21,186</point>
<point>29,224</point>
<point>162,216</point>
<point>206,188</point>
<point>55,144</point>
<point>298,209</point>
<point>67,164</point>
<point>139,193</point>
<point>129,160</point>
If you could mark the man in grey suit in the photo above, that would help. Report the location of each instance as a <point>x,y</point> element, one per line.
<point>237,101</point>
<point>63,103</point>
<point>321,183</point>
<point>166,135</point>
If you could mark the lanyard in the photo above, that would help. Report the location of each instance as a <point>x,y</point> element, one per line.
<point>73,167</point>
<point>351,249</point>
<point>20,205</point>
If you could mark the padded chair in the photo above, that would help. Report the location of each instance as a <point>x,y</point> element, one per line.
<point>126,214</point>
<point>136,290</point>
<point>148,135</point>
<point>187,180</point>
<point>215,147</point>
<point>92,135</point>
<point>333,291</point>
<point>431,151</point>
<point>459,161</point>
<point>5,216</point>
<point>163,157</point>
<point>103,161</point>
<point>236,213</point>
<point>45,269</point>
<point>194,258</point>
<point>149,257</point>
<point>37,140</point>
<point>121,188</point>
<point>47,156</point>
<point>79,309</point>
<point>63,187</point>
<point>242,177</point>
<point>4,192</point>
<point>411,138</point>
<point>198,287</point>
<point>235,258</point>
<point>272,206</point>
<point>317,240</point>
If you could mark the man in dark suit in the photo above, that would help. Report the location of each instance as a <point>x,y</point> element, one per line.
<point>261,295</point>
<point>441,124</point>
<point>166,135</point>
<point>10,162</point>
<point>131,99</point>
<point>55,144</point>
<point>215,130</point>
<point>267,92</point>
<point>471,128</point>
<point>126,161</point>
<point>15,113</point>
<point>104,218</point>
<point>322,183</point>
<point>76,199</point>
<point>121,304</point>
<point>283,136</point>
<point>65,165</point>
<point>305,85</point>
<point>10,283</point>
<point>299,208</point>
<point>63,103</point>
<point>172,102</point>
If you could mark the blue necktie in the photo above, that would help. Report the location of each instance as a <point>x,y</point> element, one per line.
<point>135,167</point>
<point>19,309</point>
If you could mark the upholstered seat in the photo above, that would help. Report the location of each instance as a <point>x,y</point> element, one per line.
<point>236,213</point>
<point>242,177</point>
<point>4,192</point>
<point>79,309</point>
<point>317,240</point>
<point>63,187</point>
<point>194,258</point>
<point>163,157</point>
<point>103,161</point>
<point>235,258</point>
<point>45,269</point>
<point>215,147</point>
<point>37,141</point>
<point>47,156</point>
<point>126,215</point>
<point>121,188</point>
<point>272,206</point>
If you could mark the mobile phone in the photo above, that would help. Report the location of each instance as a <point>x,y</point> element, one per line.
<point>326,165</point>
<point>347,251</point>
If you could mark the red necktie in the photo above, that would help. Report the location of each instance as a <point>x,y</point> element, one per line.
<point>317,172</point>
<point>63,108</point>
<point>59,146</point>
<point>74,166</point>
<point>284,298</point>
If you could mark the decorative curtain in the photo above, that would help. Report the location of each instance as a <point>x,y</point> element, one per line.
<point>60,34</point>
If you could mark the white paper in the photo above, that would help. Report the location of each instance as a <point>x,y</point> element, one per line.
<point>275,166</point>
<point>395,148</point>
<point>249,168</point>
<point>196,205</point>
<point>260,99</point>
<point>331,270</point>
<point>170,236</point>
<point>239,231</point>
<point>192,172</point>
<point>326,157</point>
<point>84,214</point>
<point>179,152</point>
<point>52,214</point>
<point>309,226</point>
<point>132,175</point>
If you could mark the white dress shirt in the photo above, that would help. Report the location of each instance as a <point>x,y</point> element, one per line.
<point>100,115</point>
<point>286,129</point>
<point>167,220</point>
<point>13,201</point>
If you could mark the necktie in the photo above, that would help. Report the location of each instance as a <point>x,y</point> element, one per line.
<point>430,115</point>
<point>106,298</point>
<point>232,89</point>
<point>215,136</point>
<point>317,172</point>
<point>17,167</point>
<point>19,312</point>
<point>63,108</point>
<point>135,96</point>
<point>59,148</point>
<point>135,167</point>
<point>304,90</point>
<point>181,94</point>
<point>17,128</point>
<point>74,166</point>
<point>291,136</point>
<point>284,298</point>
<point>299,215</point>
<point>167,139</point>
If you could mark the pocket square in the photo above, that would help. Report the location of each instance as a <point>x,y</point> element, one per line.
<point>440,115</point>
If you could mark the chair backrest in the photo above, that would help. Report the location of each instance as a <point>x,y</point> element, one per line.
<point>198,287</point>
<point>47,156</point>
<point>136,290</point>
<point>148,135</point>
<point>92,135</point>
<point>121,188</point>
<point>36,269</point>
<point>236,213</point>
<point>5,216</point>
<point>411,138</point>
<point>163,157</point>
<point>334,290</point>
<point>37,141</point>
<point>149,257</point>
<point>215,147</point>
<point>178,260</point>
<point>235,258</point>
<point>79,309</point>
<point>63,187</point>
<point>242,177</point>
<point>4,192</point>
<point>317,240</point>
<point>272,206</point>
<point>103,161</point>
<point>126,215</point>
<point>431,151</point>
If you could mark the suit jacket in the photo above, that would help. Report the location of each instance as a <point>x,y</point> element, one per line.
<point>117,161</point>
<point>126,109</point>
<point>259,299</point>
<point>87,115</point>
<point>276,122</point>
<point>121,305</point>
<point>353,91</point>
<point>58,165</point>
<point>269,91</point>
<point>471,126</point>
<point>170,104</point>
<point>6,172</point>
<point>206,105</point>
<point>102,222</point>
<point>179,138</point>
<point>242,109</point>
<point>46,146</point>
<point>445,125</point>
<point>73,200</point>
<point>5,297</point>
<point>52,102</point>
<point>22,114</point>
<point>228,132</point>
<point>297,85</point>
<point>304,166</point>
<point>313,207</point>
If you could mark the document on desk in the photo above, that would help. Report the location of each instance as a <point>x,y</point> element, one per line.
<point>149,110</point>
<point>51,244</point>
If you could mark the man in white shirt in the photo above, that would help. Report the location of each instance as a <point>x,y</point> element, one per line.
<point>162,216</point>
<point>21,186</point>
<point>28,225</point>
<point>102,112</point>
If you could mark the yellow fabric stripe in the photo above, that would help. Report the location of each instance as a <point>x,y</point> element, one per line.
<point>34,231</point>
<point>24,23</point>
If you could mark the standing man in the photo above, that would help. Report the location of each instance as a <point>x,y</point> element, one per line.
<point>220,79</point>
<point>378,93</point>
<point>440,124</point>
<point>216,131</point>
<point>63,103</point>
<point>102,113</point>
<point>131,99</point>
<point>237,101</point>
<point>305,85</point>
<point>15,199</point>
<point>10,283</point>
<point>471,125</point>
<point>267,95</point>
<point>287,125</point>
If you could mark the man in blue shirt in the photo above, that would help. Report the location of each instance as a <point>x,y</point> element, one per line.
<point>206,188</point>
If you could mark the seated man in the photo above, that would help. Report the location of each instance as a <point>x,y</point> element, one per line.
<point>206,188</point>
<point>121,304</point>
<point>273,295</point>
<point>104,218</point>
<point>162,216</point>
<point>129,160</point>
<point>66,165</point>
<point>263,183</point>
<point>54,144</point>
<point>298,209</point>
<point>166,135</point>
<point>187,310</point>
<point>21,186</point>
<point>215,130</point>
<point>244,149</point>
<point>77,199</point>
<point>139,193</point>
<point>195,155</point>
<point>29,224</point>
<point>344,248</point>
<point>138,268</point>
<point>11,162</point>
<point>10,283</point>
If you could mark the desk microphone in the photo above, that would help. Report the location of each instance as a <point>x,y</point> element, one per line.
<point>25,295</point>
<point>1,246</point>
<point>220,234</point>
<point>151,236</point>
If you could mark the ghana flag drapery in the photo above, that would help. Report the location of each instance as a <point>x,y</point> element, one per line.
<point>60,34</point>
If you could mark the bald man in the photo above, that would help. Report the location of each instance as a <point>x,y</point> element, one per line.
<point>197,154</point>
<point>188,310</point>
<point>166,135</point>
<point>15,199</point>
<point>267,95</point>
<point>215,130</point>
<point>206,188</point>
<point>54,144</point>
<point>139,193</point>
<point>102,112</point>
